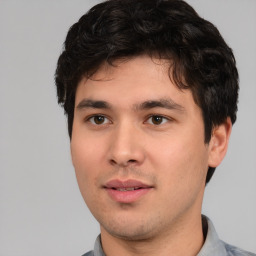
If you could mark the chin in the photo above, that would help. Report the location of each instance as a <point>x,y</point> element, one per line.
<point>130,236</point>
<point>130,231</point>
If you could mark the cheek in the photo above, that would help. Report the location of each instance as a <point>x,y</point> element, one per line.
<point>181,168</point>
<point>85,156</point>
<point>182,158</point>
<point>86,150</point>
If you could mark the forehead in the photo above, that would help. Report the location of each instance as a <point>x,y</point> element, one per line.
<point>134,80</point>
<point>133,69</point>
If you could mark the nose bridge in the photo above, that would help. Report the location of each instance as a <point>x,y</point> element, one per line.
<point>126,145</point>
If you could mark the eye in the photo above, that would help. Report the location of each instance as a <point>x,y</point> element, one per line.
<point>157,120</point>
<point>98,120</point>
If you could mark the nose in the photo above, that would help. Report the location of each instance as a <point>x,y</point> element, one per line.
<point>126,147</point>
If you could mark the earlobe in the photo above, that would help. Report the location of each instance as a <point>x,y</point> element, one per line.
<point>218,144</point>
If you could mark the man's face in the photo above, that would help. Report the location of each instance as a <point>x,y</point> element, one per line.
<point>138,149</point>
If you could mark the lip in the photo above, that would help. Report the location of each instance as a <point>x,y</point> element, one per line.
<point>127,191</point>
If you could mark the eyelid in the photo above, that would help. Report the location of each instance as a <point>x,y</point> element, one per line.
<point>89,118</point>
<point>108,120</point>
<point>158,115</point>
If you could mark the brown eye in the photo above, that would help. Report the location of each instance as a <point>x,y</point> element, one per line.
<point>97,120</point>
<point>157,120</point>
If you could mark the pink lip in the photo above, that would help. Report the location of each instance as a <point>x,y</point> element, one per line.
<point>120,191</point>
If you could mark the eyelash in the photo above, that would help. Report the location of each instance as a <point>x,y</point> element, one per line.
<point>91,119</point>
<point>158,116</point>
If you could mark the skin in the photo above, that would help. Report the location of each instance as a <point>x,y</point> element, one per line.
<point>161,146</point>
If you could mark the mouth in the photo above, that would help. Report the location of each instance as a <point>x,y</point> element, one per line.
<point>127,191</point>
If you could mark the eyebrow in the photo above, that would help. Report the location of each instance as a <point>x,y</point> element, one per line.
<point>87,103</point>
<point>161,103</point>
<point>148,104</point>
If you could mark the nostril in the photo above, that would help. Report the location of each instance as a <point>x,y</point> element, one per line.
<point>122,163</point>
<point>113,162</point>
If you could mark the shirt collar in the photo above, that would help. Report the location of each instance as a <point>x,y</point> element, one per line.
<point>98,248</point>
<point>212,245</point>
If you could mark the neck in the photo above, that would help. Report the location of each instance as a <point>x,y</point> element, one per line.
<point>185,238</point>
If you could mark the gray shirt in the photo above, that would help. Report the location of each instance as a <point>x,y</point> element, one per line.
<point>213,246</point>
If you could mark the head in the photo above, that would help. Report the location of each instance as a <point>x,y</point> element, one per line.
<point>150,91</point>
<point>170,30</point>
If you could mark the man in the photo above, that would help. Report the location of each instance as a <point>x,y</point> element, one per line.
<point>150,91</point>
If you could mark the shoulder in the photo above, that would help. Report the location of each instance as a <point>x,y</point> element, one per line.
<point>97,251</point>
<point>90,253</point>
<point>214,246</point>
<point>235,251</point>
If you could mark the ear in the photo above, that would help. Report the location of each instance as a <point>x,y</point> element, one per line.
<point>218,144</point>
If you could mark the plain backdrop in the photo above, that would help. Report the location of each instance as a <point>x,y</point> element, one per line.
<point>41,209</point>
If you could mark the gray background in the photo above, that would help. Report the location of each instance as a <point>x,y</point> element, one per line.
<point>41,210</point>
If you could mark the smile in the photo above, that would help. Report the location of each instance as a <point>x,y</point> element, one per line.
<point>128,191</point>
